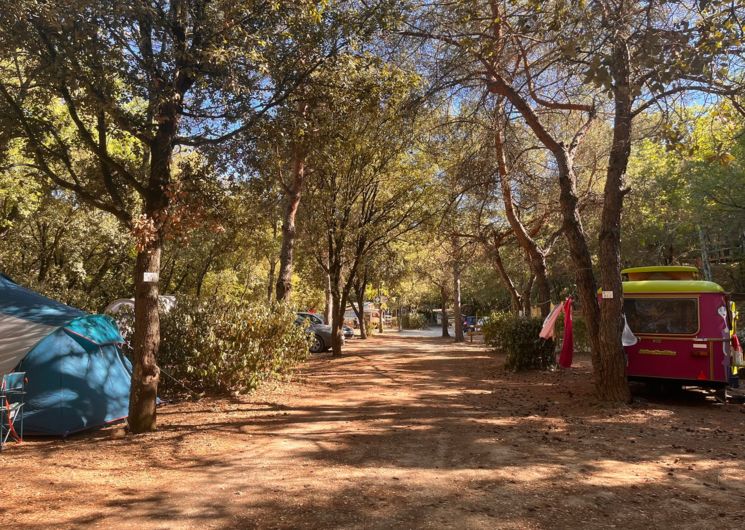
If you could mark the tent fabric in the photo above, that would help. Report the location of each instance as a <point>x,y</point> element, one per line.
<point>94,330</point>
<point>28,305</point>
<point>17,338</point>
<point>27,317</point>
<point>77,375</point>
<point>71,388</point>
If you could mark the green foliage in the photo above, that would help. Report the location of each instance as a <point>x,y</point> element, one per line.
<point>517,336</point>
<point>227,346</point>
<point>413,321</point>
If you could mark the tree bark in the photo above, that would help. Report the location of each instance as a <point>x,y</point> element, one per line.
<point>146,341</point>
<point>459,337</point>
<point>293,193</point>
<point>337,320</point>
<point>380,311</point>
<point>328,310</point>
<point>536,256</point>
<point>572,227</point>
<point>527,307</point>
<point>289,232</point>
<point>581,257</point>
<point>360,295</point>
<point>515,298</point>
<point>202,274</point>
<point>270,280</point>
<point>444,302</point>
<point>359,309</point>
<point>613,385</point>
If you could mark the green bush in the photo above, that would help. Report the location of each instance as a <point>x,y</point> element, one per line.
<point>226,346</point>
<point>414,321</point>
<point>518,337</point>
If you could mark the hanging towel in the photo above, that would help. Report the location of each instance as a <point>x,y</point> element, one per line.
<point>547,331</point>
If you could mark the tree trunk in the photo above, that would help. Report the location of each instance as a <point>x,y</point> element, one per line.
<point>204,270</point>
<point>612,383</point>
<point>444,301</point>
<point>293,192</point>
<point>705,263</point>
<point>459,337</point>
<point>359,309</point>
<point>146,341</point>
<point>289,232</point>
<point>536,256</point>
<point>581,257</point>
<point>337,320</point>
<point>515,298</point>
<point>380,311</point>
<point>328,311</point>
<point>527,307</point>
<point>270,280</point>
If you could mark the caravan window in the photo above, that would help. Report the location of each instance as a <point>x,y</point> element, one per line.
<point>668,316</point>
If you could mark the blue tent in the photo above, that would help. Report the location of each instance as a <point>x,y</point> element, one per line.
<point>77,376</point>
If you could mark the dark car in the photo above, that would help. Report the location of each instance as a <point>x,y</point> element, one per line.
<point>317,319</point>
<point>320,333</point>
<point>471,323</point>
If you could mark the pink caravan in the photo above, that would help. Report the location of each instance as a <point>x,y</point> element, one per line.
<point>685,328</point>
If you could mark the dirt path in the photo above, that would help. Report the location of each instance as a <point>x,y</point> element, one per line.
<point>400,433</point>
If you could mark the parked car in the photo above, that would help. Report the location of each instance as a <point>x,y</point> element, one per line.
<point>320,333</point>
<point>317,319</point>
<point>472,323</point>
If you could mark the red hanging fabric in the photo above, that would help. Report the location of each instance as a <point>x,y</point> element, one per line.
<point>567,348</point>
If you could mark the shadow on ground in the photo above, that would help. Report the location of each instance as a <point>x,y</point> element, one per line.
<point>402,433</point>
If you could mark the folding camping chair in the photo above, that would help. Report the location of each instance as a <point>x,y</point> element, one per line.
<point>12,393</point>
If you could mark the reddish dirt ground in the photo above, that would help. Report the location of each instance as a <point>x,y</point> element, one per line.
<point>399,433</point>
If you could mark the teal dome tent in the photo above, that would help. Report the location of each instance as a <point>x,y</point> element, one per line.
<point>77,376</point>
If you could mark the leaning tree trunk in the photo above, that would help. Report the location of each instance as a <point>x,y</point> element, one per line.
<point>361,319</point>
<point>580,254</point>
<point>145,371</point>
<point>572,227</point>
<point>536,256</point>
<point>444,302</point>
<point>613,384</point>
<point>457,316</point>
<point>515,297</point>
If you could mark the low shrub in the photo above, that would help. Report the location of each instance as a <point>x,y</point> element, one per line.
<point>414,321</point>
<point>226,346</point>
<point>517,336</point>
